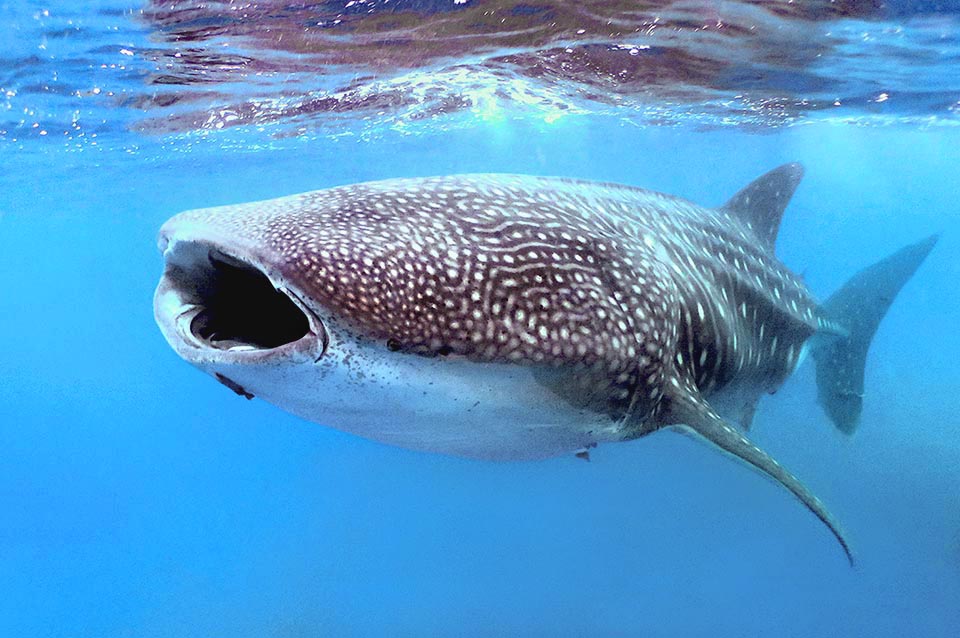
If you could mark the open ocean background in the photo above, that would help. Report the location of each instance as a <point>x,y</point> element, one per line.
<point>139,498</point>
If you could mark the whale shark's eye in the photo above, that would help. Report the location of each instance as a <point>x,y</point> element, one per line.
<point>393,345</point>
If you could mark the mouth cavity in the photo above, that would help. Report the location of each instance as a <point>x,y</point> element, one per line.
<point>227,303</point>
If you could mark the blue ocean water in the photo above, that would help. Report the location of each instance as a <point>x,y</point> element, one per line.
<point>141,498</point>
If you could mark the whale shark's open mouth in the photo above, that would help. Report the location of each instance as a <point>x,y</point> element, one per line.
<point>214,300</point>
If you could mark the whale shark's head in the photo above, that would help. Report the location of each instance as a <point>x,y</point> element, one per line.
<point>434,314</point>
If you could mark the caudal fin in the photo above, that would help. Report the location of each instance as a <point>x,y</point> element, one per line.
<point>856,311</point>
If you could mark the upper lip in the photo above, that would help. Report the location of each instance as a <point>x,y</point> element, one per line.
<point>221,301</point>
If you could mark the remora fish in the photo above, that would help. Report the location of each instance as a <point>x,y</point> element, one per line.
<point>515,317</point>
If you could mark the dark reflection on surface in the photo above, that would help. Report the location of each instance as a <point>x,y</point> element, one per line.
<point>360,56</point>
<point>305,66</point>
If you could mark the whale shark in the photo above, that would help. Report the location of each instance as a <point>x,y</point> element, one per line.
<point>511,317</point>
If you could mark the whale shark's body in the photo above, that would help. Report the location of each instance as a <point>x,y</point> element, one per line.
<point>516,317</point>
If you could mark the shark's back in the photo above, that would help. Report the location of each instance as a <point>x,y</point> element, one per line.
<point>743,316</point>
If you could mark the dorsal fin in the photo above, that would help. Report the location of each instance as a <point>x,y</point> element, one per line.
<point>761,202</point>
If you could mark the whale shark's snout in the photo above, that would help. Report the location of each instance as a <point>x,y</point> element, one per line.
<point>221,302</point>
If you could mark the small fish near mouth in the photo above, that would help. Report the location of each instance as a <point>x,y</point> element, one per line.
<point>233,385</point>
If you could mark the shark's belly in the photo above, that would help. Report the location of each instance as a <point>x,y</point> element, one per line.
<point>476,410</point>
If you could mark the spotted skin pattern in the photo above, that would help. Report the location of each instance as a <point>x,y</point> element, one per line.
<point>640,306</point>
<point>608,279</point>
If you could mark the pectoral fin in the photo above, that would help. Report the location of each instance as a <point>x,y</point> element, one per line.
<point>686,408</point>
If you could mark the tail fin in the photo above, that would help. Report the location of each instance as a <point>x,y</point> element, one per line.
<point>857,309</point>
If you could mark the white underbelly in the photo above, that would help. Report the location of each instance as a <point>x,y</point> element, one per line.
<point>477,410</point>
